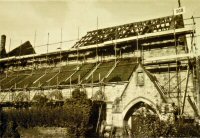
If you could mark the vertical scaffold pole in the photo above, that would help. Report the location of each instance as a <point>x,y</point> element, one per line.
<point>92,83</point>
<point>138,49</point>
<point>60,44</point>
<point>47,47</point>
<point>169,77</point>
<point>99,77</point>
<point>193,44</point>
<point>177,65</point>
<point>77,52</point>
<point>70,85</point>
<point>48,44</point>
<point>115,46</point>
<point>97,57</point>
<point>179,3</point>
<point>186,86</point>
<point>34,48</point>
<point>198,83</point>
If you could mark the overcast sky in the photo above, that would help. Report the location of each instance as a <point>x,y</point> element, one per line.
<point>20,19</point>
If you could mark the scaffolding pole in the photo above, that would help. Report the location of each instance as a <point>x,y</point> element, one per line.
<point>186,86</point>
<point>34,48</point>
<point>97,56</point>
<point>169,77</point>
<point>60,44</point>
<point>198,84</point>
<point>92,85</point>
<point>193,44</point>
<point>47,48</point>
<point>77,49</point>
<point>177,65</point>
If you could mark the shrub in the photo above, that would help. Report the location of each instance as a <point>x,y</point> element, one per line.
<point>77,94</point>
<point>3,122</point>
<point>11,130</point>
<point>74,114</point>
<point>40,100</point>
<point>147,125</point>
<point>79,110</point>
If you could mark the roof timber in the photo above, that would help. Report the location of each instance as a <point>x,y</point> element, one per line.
<point>132,29</point>
<point>181,31</point>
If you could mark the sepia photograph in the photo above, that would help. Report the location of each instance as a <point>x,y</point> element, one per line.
<point>99,68</point>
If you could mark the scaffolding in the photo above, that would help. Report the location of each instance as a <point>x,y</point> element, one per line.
<point>131,41</point>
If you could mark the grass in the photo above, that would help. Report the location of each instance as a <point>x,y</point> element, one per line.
<point>43,132</point>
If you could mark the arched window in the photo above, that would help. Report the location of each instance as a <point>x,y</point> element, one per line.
<point>140,78</point>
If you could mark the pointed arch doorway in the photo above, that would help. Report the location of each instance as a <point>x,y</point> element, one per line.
<point>135,114</point>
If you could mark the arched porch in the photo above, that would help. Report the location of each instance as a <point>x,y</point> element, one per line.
<point>138,107</point>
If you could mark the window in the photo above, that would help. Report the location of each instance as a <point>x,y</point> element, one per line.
<point>140,78</point>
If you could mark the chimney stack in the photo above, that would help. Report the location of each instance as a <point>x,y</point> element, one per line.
<point>2,46</point>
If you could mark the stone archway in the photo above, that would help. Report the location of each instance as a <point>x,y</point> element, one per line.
<point>134,105</point>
